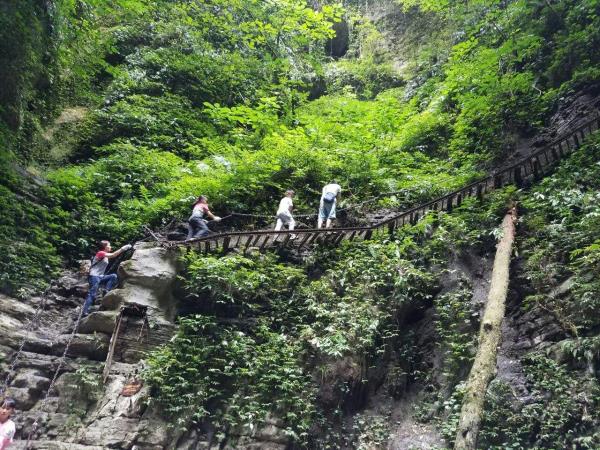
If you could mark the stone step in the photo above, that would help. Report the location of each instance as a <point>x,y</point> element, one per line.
<point>51,445</point>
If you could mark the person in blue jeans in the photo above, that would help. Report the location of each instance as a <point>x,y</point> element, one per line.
<point>329,197</point>
<point>97,277</point>
<point>197,223</point>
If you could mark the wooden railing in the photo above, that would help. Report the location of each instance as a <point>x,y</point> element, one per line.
<point>530,168</point>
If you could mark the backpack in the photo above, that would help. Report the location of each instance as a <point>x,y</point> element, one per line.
<point>329,197</point>
<point>85,265</point>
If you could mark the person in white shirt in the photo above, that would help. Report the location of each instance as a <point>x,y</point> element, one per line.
<point>284,213</point>
<point>331,192</point>
<point>7,426</point>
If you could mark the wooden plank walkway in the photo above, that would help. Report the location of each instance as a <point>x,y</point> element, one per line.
<point>531,168</point>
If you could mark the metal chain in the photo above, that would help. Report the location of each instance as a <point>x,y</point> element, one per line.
<point>28,327</point>
<point>61,362</point>
<point>64,355</point>
<point>348,208</point>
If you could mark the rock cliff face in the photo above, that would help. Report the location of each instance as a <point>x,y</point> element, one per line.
<point>81,412</point>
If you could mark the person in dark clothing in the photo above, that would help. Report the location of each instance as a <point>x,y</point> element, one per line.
<point>197,223</point>
<point>97,275</point>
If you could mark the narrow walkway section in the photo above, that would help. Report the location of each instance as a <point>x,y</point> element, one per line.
<point>531,168</point>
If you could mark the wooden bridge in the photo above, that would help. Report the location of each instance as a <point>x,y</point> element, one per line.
<point>528,169</point>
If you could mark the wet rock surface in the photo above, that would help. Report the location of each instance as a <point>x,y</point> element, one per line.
<point>81,412</point>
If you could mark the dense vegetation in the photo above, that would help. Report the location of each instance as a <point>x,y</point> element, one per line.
<point>116,114</point>
<point>307,336</point>
<point>176,102</point>
<point>561,245</point>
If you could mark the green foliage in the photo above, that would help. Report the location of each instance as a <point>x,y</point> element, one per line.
<point>210,370</point>
<point>372,431</point>
<point>352,303</point>
<point>345,304</point>
<point>561,243</point>
<point>561,412</point>
<point>456,324</point>
<point>29,259</point>
<point>237,280</point>
<point>211,97</point>
<point>226,93</point>
<point>562,225</point>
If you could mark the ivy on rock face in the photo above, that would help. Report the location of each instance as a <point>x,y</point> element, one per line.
<point>213,371</point>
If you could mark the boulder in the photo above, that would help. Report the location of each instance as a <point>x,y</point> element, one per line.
<point>76,393</point>
<point>148,280</point>
<point>94,346</point>
<point>31,378</point>
<point>113,299</point>
<point>25,397</point>
<point>71,284</point>
<point>111,432</point>
<point>101,322</point>
<point>14,308</point>
<point>27,387</point>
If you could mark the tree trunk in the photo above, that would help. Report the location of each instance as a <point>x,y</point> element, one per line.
<point>484,365</point>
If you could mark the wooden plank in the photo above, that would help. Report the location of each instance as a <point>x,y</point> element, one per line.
<point>352,235</point>
<point>226,243</point>
<point>546,157</point>
<point>313,236</point>
<point>391,227</point>
<point>303,241</point>
<point>237,242</point>
<point>498,181</point>
<point>264,243</point>
<point>535,168</point>
<point>248,241</point>
<point>111,348</point>
<point>418,214</point>
<point>286,239</point>
<point>518,180</point>
<point>340,238</point>
<point>325,238</point>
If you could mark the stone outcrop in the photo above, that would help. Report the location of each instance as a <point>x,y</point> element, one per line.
<point>149,276</point>
<point>81,412</point>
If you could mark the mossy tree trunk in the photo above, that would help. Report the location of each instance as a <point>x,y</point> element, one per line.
<point>484,365</point>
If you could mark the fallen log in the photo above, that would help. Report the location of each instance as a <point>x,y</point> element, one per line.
<point>484,365</point>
